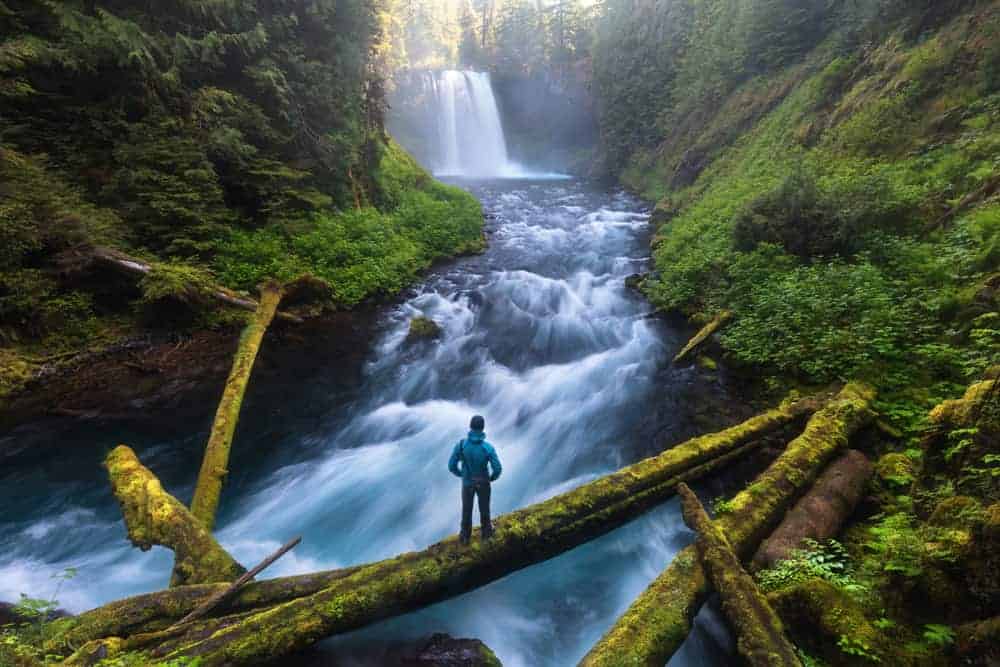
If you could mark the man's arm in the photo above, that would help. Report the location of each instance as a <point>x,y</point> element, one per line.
<point>453,461</point>
<point>495,464</point>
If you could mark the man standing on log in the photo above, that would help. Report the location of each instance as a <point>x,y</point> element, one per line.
<point>473,459</point>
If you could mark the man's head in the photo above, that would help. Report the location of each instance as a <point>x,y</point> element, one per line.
<point>477,423</point>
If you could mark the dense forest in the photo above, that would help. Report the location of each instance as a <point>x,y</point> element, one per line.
<point>823,180</point>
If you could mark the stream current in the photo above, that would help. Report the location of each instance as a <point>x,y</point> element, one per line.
<point>539,335</point>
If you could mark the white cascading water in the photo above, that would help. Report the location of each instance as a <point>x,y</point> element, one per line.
<point>471,141</point>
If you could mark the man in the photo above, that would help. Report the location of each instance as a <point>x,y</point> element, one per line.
<point>473,459</point>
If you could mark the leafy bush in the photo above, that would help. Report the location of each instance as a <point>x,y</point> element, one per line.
<point>366,251</point>
<point>822,321</point>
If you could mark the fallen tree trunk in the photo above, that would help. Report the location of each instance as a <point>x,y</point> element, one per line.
<point>659,620</point>
<point>821,512</point>
<point>760,636</point>
<point>153,516</point>
<point>215,463</point>
<point>314,606</point>
<point>706,331</point>
<point>137,267</point>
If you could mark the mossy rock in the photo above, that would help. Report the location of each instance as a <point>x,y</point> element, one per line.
<point>895,470</point>
<point>707,363</point>
<point>959,512</point>
<point>635,281</point>
<point>817,615</point>
<point>423,328</point>
<point>982,567</point>
<point>15,372</point>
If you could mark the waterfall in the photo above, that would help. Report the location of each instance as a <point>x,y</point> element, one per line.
<point>470,138</point>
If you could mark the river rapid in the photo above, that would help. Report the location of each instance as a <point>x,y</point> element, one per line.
<point>539,335</point>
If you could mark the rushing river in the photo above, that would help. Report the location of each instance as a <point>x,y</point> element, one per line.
<point>541,336</point>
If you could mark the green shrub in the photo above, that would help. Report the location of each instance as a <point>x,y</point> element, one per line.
<point>827,561</point>
<point>823,321</point>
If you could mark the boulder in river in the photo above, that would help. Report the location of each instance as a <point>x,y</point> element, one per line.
<point>423,328</point>
<point>443,650</point>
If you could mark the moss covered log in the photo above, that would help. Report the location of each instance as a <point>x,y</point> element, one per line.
<point>820,514</point>
<point>760,635</point>
<point>215,464</point>
<point>153,516</point>
<point>132,265</point>
<point>310,607</point>
<point>659,620</point>
<point>704,334</point>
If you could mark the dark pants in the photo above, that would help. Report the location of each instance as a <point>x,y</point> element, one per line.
<point>480,488</point>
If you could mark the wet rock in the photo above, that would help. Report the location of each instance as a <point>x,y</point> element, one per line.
<point>423,328</point>
<point>635,281</point>
<point>443,650</point>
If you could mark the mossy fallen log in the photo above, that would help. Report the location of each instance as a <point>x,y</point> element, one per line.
<point>760,636</point>
<point>215,463</point>
<point>706,331</point>
<point>329,603</point>
<point>137,267</point>
<point>821,512</point>
<point>659,620</point>
<point>153,516</point>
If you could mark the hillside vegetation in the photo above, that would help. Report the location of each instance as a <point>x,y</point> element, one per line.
<point>829,173</point>
<point>223,141</point>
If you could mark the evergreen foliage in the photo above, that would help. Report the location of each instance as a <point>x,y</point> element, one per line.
<point>189,132</point>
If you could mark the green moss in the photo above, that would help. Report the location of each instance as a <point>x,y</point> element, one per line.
<point>423,328</point>
<point>896,470</point>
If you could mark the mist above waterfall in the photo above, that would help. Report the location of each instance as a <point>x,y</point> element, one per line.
<point>450,121</point>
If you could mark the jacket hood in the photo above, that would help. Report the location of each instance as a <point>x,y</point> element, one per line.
<point>477,436</point>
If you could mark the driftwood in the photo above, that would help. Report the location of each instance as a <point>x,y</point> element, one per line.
<point>821,512</point>
<point>215,462</point>
<point>217,599</point>
<point>760,635</point>
<point>284,614</point>
<point>153,516</point>
<point>704,334</point>
<point>659,620</point>
<point>137,267</point>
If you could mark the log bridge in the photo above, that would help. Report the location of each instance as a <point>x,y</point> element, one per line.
<point>207,619</point>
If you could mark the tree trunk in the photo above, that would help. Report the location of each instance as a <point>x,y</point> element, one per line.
<point>310,607</point>
<point>659,620</point>
<point>153,516</point>
<point>706,331</point>
<point>821,512</point>
<point>215,463</point>
<point>760,636</point>
<point>134,266</point>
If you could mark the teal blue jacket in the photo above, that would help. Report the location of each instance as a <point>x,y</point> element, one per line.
<point>474,453</point>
